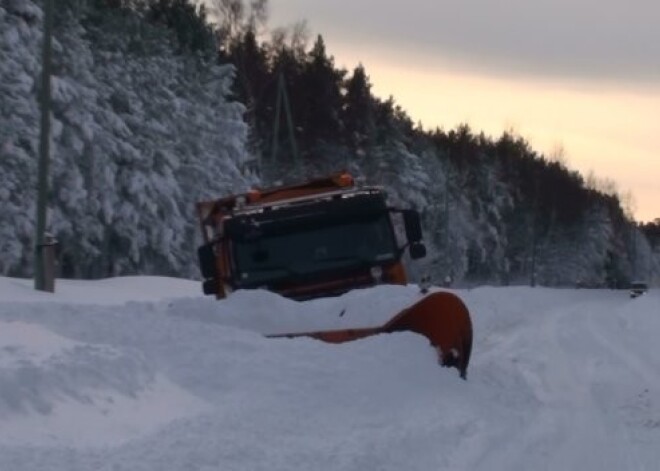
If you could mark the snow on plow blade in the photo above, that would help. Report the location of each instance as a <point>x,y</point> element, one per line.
<point>441,317</point>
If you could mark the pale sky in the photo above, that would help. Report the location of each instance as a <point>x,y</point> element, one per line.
<point>580,74</point>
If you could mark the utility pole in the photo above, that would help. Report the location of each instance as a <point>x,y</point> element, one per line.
<point>633,230</point>
<point>446,241</point>
<point>532,274</point>
<point>44,150</point>
<point>283,98</point>
<point>535,217</point>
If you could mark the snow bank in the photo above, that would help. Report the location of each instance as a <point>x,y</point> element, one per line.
<point>263,312</point>
<point>58,392</point>
<point>109,291</point>
<point>137,374</point>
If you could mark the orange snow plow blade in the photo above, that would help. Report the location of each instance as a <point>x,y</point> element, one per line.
<point>441,317</point>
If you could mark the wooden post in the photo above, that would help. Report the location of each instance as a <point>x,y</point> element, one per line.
<point>48,256</point>
<point>44,150</point>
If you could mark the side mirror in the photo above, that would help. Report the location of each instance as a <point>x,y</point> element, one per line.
<point>417,250</point>
<point>413,225</point>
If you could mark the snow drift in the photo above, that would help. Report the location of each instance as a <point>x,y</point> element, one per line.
<point>144,373</point>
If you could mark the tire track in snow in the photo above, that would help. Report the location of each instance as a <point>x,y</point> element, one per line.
<point>563,361</point>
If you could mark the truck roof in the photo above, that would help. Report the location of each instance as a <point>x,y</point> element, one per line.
<point>340,185</point>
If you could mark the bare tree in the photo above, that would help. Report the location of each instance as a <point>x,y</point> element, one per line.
<point>234,18</point>
<point>558,154</point>
<point>294,37</point>
<point>628,204</point>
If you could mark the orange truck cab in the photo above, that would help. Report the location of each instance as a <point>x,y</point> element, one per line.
<point>319,238</point>
<point>322,238</point>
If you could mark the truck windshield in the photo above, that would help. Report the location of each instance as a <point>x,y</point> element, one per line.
<point>305,251</point>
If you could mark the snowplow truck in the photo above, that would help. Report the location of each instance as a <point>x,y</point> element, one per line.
<point>324,237</point>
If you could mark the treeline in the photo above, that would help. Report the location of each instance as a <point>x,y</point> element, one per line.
<point>495,209</point>
<point>652,232</point>
<point>158,75</point>
<point>141,129</point>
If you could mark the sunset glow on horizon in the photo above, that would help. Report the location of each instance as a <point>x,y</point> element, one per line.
<point>610,132</point>
<point>594,96</point>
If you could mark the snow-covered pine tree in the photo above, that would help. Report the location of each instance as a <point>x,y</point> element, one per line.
<point>141,130</point>
<point>20,37</point>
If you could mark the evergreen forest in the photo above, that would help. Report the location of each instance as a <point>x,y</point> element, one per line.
<point>160,103</point>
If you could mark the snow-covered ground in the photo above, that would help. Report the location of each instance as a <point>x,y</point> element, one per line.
<point>145,374</point>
